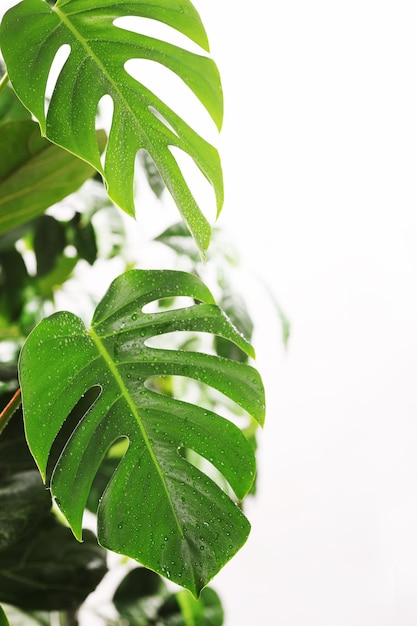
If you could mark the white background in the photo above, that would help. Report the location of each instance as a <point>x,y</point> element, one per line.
<point>319,149</point>
<point>320,154</point>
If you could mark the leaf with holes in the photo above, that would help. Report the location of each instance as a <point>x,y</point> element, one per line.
<point>32,33</point>
<point>157,508</point>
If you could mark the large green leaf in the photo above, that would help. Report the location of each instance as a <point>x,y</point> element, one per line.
<point>32,32</point>
<point>158,508</point>
<point>139,596</point>
<point>34,173</point>
<point>14,453</point>
<point>23,502</point>
<point>206,611</point>
<point>11,108</point>
<point>48,570</point>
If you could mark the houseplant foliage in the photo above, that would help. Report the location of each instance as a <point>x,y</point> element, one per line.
<point>104,425</point>
<point>95,67</point>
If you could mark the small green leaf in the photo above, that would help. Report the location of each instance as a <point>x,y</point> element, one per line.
<point>140,595</point>
<point>57,277</point>
<point>48,243</point>
<point>34,173</point>
<point>31,34</point>
<point>84,239</point>
<point>13,278</point>
<point>206,611</point>
<point>177,237</point>
<point>48,570</point>
<point>174,519</point>
<point>143,598</point>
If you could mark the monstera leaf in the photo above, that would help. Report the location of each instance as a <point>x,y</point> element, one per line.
<point>157,508</point>
<point>31,34</point>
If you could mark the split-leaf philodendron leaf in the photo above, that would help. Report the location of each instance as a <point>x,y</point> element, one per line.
<point>158,508</point>
<point>31,34</point>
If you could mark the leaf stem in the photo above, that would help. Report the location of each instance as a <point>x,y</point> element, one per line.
<point>10,409</point>
<point>4,81</point>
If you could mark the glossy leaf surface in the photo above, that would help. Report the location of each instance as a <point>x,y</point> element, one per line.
<point>158,508</point>
<point>34,173</point>
<point>31,34</point>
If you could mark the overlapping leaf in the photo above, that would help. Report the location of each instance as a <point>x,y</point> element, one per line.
<point>143,598</point>
<point>24,501</point>
<point>11,108</point>
<point>48,570</point>
<point>34,173</point>
<point>158,508</point>
<point>31,34</point>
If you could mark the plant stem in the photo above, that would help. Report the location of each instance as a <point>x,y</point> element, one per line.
<point>4,81</point>
<point>9,410</point>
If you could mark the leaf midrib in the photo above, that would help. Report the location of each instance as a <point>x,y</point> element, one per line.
<point>126,395</point>
<point>90,52</point>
